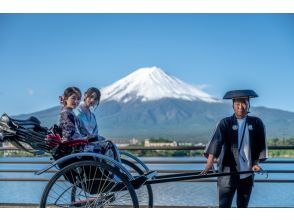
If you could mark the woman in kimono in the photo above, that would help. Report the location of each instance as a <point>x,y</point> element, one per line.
<point>88,125</point>
<point>68,122</point>
<point>73,128</point>
<point>85,113</point>
<point>238,144</point>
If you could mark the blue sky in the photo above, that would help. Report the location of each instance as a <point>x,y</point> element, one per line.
<point>42,54</point>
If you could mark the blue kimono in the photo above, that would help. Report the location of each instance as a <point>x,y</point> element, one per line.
<point>88,124</point>
<point>88,127</point>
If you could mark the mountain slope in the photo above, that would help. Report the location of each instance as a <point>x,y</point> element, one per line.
<point>172,118</point>
<point>181,120</point>
<point>149,103</point>
<point>149,84</point>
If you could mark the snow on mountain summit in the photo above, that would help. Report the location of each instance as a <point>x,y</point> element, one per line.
<point>152,83</point>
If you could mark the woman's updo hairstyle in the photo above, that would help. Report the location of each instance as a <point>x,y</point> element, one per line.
<point>69,92</point>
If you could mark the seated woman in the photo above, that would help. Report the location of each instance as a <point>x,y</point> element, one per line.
<point>88,125</point>
<point>68,122</point>
<point>85,113</point>
<point>70,125</point>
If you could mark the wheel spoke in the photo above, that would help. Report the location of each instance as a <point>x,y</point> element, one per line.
<point>89,184</point>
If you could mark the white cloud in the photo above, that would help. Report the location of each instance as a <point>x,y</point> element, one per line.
<point>203,86</point>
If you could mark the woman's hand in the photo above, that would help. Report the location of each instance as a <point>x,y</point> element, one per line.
<point>92,138</point>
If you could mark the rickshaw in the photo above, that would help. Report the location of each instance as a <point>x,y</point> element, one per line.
<point>86,179</point>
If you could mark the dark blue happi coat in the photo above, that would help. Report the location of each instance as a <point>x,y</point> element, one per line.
<point>224,146</point>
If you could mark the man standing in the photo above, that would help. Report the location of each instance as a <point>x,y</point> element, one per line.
<point>238,144</point>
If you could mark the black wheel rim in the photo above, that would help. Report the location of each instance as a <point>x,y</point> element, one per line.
<point>89,184</point>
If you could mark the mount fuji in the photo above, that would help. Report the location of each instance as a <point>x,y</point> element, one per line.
<point>150,103</point>
<point>149,84</point>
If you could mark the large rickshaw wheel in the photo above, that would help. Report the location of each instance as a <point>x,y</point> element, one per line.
<point>89,184</point>
<point>144,193</point>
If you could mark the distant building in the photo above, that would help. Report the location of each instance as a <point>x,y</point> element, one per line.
<point>134,141</point>
<point>121,142</point>
<point>185,144</point>
<point>147,143</point>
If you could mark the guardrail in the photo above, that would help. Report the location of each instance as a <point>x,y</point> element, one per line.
<point>147,161</point>
<point>178,161</point>
<point>196,147</point>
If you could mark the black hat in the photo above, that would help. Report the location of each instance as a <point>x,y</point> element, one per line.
<point>240,93</point>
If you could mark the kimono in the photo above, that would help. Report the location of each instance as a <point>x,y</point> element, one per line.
<point>70,126</point>
<point>88,124</point>
<point>224,146</point>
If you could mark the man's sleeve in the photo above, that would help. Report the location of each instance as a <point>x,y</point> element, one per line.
<point>263,151</point>
<point>216,142</point>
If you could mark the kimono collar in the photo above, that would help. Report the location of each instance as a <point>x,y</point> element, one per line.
<point>235,118</point>
<point>64,109</point>
<point>235,122</point>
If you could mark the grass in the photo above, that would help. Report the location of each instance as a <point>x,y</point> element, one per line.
<point>281,153</point>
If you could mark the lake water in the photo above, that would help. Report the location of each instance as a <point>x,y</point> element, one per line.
<point>173,194</point>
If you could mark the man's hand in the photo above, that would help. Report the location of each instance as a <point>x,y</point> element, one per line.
<point>256,168</point>
<point>208,165</point>
<point>206,170</point>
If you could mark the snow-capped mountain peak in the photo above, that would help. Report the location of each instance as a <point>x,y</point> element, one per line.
<point>152,83</point>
